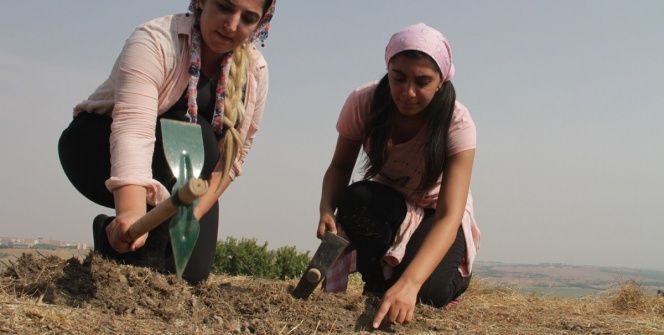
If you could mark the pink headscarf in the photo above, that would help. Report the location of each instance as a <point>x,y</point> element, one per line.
<point>428,40</point>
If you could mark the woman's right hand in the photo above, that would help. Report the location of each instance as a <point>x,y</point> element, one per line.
<point>326,223</point>
<point>118,234</point>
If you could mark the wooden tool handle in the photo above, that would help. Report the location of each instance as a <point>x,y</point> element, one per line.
<point>313,275</point>
<point>189,192</point>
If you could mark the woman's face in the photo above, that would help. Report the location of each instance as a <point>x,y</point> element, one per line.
<point>225,24</point>
<point>413,83</point>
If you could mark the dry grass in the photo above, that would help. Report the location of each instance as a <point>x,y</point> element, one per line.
<point>631,298</point>
<point>628,309</point>
<point>240,305</point>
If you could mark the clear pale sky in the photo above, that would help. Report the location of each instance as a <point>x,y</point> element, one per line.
<point>566,95</point>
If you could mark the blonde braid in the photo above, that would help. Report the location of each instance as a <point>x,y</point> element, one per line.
<point>234,108</point>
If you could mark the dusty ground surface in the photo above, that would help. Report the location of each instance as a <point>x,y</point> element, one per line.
<point>51,295</point>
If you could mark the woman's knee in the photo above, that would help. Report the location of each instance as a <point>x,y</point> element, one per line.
<point>367,215</point>
<point>372,196</point>
<point>83,149</point>
<point>356,195</point>
<point>353,206</point>
<point>439,294</point>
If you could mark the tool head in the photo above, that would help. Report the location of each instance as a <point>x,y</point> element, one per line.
<point>329,250</point>
<point>184,151</point>
<point>182,137</point>
<point>183,230</point>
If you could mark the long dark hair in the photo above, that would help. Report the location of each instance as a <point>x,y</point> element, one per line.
<point>438,115</point>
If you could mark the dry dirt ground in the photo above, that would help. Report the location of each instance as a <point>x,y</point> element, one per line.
<point>50,295</point>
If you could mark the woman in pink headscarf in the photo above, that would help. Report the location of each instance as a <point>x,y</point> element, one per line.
<point>410,220</point>
<point>200,67</point>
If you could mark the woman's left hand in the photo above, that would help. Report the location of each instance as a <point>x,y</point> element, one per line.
<point>398,304</point>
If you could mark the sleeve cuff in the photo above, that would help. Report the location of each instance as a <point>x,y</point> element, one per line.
<point>156,192</point>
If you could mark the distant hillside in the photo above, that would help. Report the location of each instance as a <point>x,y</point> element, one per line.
<point>565,280</point>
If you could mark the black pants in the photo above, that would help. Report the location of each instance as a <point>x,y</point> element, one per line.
<point>371,213</point>
<point>84,151</point>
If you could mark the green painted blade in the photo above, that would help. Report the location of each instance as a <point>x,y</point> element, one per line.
<point>184,230</point>
<point>183,227</point>
<point>182,137</point>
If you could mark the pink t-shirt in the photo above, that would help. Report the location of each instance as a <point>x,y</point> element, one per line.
<point>404,166</point>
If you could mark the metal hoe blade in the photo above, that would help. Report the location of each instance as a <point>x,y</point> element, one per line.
<point>329,250</point>
<point>183,228</point>
<point>179,136</point>
<point>183,146</point>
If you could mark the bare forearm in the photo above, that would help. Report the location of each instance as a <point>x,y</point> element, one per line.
<point>215,190</point>
<point>451,206</point>
<point>130,201</point>
<point>334,182</point>
<point>129,206</point>
<point>431,253</point>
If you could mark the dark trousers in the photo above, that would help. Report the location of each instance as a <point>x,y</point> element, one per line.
<point>371,213</point>
<point>84,151</point>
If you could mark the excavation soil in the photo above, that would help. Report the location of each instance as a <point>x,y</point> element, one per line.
<point>50,295</point>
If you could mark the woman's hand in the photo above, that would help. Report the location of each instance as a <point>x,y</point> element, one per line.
<point>118,235</point>
<point>398,304</point>
<point>326,223</point>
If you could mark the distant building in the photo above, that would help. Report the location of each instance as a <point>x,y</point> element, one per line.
<point>21,245</point>
<point>40,243</point>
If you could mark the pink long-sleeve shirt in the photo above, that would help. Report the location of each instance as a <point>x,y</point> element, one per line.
<point>148,78</point>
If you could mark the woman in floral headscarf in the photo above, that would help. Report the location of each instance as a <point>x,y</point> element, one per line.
<point>411,220</point>
<point>199,67</point>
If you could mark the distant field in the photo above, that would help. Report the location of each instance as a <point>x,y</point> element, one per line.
<point>565,292</point>
<point>565,280</point>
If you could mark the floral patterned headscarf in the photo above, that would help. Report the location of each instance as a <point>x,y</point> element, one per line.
<point>195,68</point>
